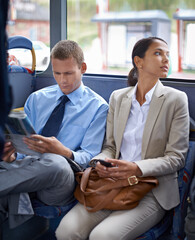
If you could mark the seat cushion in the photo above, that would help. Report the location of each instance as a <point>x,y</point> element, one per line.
<point>49,212</point>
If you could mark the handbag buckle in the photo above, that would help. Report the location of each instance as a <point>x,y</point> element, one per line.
<point>132,180</point>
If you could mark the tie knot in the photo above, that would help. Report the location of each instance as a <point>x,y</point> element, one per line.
<point>64,99</point>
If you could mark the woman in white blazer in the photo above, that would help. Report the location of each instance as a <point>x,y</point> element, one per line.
<point>147,135</point>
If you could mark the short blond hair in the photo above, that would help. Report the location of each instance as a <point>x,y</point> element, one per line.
<point>66,49</point>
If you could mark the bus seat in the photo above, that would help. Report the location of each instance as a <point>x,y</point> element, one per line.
<point>49,212</point>
<point>172,225</point>
<point>31,229</point>
<point>20,78</point>
<point>192,129</point>
<point>53,214</point>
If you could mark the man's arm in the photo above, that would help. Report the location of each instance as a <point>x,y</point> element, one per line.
<point>93,138</point>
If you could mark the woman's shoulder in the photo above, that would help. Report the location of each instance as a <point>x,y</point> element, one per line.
<point>122,92</point>
<point>174,96</point>
<point>175,93</point>
<point>170,92</point>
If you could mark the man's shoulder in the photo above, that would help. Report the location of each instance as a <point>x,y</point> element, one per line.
<point>46,90</point>
<point>91,94</point>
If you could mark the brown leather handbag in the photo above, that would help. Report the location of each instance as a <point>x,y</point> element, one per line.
<point>97,193</point>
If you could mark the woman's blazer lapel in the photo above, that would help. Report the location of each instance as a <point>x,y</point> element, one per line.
<point>154,110</point>
<point>122,120</point>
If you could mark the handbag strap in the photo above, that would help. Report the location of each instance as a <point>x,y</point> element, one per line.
<point>101,204</point>
<point>85,178</point>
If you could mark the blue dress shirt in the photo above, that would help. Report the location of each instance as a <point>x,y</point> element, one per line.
<point>83,124</point>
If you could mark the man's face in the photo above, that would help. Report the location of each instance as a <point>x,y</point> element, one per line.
<point>67,74</point>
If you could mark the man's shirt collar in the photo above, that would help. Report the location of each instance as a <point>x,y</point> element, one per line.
<point>73,96</point>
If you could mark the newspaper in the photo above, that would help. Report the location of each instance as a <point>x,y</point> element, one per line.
<point>17,127</point>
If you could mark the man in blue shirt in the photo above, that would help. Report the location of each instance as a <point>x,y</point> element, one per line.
<point>80,135</point>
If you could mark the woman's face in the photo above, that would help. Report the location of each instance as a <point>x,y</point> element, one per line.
<point>156,60</point>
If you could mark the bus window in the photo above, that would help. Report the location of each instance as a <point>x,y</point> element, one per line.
<point>30,19</point>
<point>107,30</point>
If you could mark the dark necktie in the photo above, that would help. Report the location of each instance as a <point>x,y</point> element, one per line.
<point>53,124</point>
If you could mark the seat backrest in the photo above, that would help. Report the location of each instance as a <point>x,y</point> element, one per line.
<point>22,85</point>
<point>185,177</point>
<point>21,79</point>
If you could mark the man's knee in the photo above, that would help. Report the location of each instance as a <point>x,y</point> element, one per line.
<point>59,182</point>
<point>55,163</point>
<point>53,170</point>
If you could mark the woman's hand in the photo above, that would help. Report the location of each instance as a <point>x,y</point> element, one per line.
<point>8,152</point>
<point>121,169</point>
<point>43,144</point>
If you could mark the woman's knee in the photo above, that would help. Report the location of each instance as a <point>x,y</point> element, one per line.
<point>75,225</point>
<point>64,231</point>
<point>98,233</point>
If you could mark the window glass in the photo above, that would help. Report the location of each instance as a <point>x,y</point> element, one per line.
<point>108,29</point>
<point>30,19</point>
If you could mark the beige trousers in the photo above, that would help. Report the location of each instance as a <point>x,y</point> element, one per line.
<point>106,224</point>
